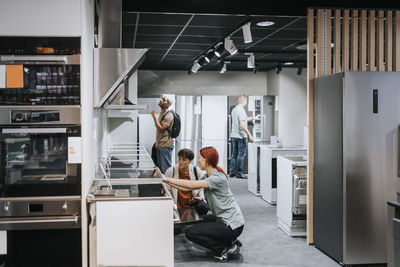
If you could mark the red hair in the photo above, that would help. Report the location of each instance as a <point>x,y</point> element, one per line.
<point>212,158</point>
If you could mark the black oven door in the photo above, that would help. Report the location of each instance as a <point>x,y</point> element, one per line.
<point>34,162</point>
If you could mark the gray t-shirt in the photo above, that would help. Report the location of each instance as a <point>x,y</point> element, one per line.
<point>220,200</point>
<point>238,114</point>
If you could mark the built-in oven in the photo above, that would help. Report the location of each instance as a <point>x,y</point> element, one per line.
<point>40,185</point>
<point>37,153</point>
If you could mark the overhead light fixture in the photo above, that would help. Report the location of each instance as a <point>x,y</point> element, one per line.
<point>250,60</point>
<point>255,69</point>
<point>265,23</point>
<point>202,61</point>
<point>230,46</point>
<point>196,66</point>
<point>247,33</point>
<point>278,69</point>
<point>209,56</point>
<point>219,49</point>
<point>288,63</point>
<point>300,70</point>
<point>223,67</point>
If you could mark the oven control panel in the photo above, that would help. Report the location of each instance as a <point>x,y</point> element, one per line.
<point>30,116</point>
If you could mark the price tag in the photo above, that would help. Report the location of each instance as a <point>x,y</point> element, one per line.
<point>74,150</point>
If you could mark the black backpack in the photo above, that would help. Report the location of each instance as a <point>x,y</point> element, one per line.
<point>176,126</point>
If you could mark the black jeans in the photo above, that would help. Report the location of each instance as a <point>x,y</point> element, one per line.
<point>213,235</point>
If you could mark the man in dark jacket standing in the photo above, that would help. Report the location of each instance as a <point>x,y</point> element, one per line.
<point>164,142</point>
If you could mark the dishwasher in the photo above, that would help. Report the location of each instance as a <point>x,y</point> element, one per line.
<point>292,194</point>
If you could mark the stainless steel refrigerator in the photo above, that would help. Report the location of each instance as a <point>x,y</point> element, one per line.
<point>189,110</point>
<point>357,115</point>
<point>215,126</point>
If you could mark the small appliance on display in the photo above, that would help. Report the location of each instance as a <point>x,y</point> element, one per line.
<point>292,194</point>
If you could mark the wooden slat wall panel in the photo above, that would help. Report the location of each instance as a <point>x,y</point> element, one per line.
<point>363,41</point>
<point>396,52</point>
<point>328,49</point>
<point>310,123</point>
<point>336,54</point>
<point>345,41</point>
<point>319,44</point>
<point>375,45</point>
<point>371,40</point>
<point>380,36</point>
<point>388,41</point>
<point>354,40</point>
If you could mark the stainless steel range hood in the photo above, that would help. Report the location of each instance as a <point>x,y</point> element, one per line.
<point>113,68</point>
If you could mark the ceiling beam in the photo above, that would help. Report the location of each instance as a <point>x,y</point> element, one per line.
<point>136,27</point>
<point>177,37</point>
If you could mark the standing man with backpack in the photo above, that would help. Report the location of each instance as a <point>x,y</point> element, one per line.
<point>167,127</point>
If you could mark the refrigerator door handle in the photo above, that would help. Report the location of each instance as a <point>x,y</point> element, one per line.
<point>398,151</point>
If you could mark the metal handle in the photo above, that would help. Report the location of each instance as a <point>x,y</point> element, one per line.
<point>19,220</point>
<point>33,130</point>
<point>398,151</point>
<point>34,58</point>
<point>60,59</point>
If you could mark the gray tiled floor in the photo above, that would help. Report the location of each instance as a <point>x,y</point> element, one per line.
<point>264,244</point>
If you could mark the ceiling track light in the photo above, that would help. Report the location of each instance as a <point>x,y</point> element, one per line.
<point>247,33</point>
<point>300,70</point>
<point>230,46</point>
<point>202,61</point>
<point>255,69</point>
<point>209,56</point>
<point>223,67</point>
<point>250,60</point>
<point>278,69</point>
<point>196,66</point>
<point>219,49</point>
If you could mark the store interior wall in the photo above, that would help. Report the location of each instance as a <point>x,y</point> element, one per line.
<point>292,104</point>
<point>87,43</point>
<point>34,19</point>
<point>155,83</point>
<point>40,18</point>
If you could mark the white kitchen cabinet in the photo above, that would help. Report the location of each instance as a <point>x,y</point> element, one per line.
<point>268,168</point>
<point>131,231</point>
<point>292,194</point>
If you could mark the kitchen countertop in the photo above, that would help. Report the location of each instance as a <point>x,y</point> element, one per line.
<point>128,189</point>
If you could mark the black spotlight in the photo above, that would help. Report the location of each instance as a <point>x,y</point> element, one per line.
<point>189,71</point>
<point>209,56</point>
<point>278,69</point>
<point>300,70</point>
<point>219,49</point>
<point>202,62</point>
<point>255,69</point>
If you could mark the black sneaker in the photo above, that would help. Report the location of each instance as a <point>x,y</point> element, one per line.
<point>232,175</point>
<point>227,253</point>
<point>238,243</point>
<point>241,176</point>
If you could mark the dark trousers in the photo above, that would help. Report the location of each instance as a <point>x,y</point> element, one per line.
<point>239,146</point>
<point>213,235</point>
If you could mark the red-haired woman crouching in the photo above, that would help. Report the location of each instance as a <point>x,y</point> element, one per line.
<point>220,231</point>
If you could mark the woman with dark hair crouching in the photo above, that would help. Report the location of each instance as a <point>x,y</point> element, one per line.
<point>220,231</point>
